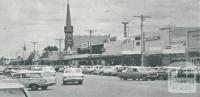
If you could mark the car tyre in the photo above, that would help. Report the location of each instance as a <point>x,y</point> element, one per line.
<point>124,78</point>
<point>101,73</point>
<point>44,87</point>
<point>152,79</point>
<point>143,78</point>
<point>34,87</point>
<point>80,82</point>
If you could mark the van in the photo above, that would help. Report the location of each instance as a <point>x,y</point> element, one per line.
<point>35,79</point>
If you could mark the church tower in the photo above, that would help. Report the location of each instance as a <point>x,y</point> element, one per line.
<point>68,29</point>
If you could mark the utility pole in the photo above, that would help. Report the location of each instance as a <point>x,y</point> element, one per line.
<point>142,18</point>
<point>90,44</point>
<point>60,42</point>
<point>24,53</point>
<point>125,28</point>
<point>34,45</point>
<point>17,55</point>
<point>60,48</point>
<point>169,29</point>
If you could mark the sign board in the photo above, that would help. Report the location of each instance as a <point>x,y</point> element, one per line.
<point>152,38</point>
<point>85,45</point>
<point>194,40</point>
<point>113,38</point>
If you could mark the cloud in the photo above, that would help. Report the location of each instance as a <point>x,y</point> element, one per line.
<point>23,21</point>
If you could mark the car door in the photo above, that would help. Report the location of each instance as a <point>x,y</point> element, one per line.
<point>25,79</point>
<point>130,73</point>
<point>135,73</point>
<point>36,78</point>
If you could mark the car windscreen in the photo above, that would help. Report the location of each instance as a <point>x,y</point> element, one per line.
<point>72,70</point>
<point>35,75</point>
<point>142,69</point>
<point>12,93</point>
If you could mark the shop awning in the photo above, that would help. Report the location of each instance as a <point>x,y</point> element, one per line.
<point>174,51</point>
<point>131,52</point>
<point>80,56</point>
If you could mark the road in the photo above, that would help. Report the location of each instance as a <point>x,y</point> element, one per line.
<point>105,86</point>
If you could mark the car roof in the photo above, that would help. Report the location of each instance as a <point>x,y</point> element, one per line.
<point>72,68</point>
<point>189,68</point>
<point>5,85</point>
<point>27,71</point>
<point>137,67</point>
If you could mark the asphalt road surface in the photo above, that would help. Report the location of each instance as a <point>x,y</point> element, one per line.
<point>105,86</point>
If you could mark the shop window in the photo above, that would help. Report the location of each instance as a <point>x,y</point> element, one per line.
<point>137,43</point>
<point>137,38</point>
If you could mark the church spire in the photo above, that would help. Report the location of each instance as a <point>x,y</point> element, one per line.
<point>68,29</point>
<point>68,21</point>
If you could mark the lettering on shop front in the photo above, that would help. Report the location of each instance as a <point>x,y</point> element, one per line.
<point>152,38</point>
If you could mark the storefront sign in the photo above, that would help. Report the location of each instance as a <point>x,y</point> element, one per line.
<point>152,38</point>
<point>194,40</point>
<point>85,45</point>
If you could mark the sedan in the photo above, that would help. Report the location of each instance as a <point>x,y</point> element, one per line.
<point>73,75</point>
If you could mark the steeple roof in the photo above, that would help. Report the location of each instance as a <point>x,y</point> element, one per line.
<point>68,21</point>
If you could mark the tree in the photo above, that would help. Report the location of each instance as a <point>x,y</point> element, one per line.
<point>47,50</point>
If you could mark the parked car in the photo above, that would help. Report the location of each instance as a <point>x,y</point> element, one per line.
<point>73,75</point>
<point>101,71</point>
<point>2,70</point>
<point>57,68</point>
<point>190,73</point>
<point>136,73</point>
<point>111,71</point>
<point>61,69</point>
<point>35,79</point>
<point>13,90</point>
<point>35,68</point>
<point>8,70</point>
<point>90,70</point>
<point>84,69</point>
<point>49,69</point>
<point>162,73</point>
<point>96,69</point>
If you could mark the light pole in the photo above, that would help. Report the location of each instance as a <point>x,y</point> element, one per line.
<point>91,46</point>
<point>60,50</point>
<point>34,45</point>
<point>17,55</point>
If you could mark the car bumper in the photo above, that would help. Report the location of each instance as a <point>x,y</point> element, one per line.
<point>49,84</point>
<point>72,79</point>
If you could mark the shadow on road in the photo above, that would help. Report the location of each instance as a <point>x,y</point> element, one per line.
<point>40,90</point>
<point>71,84</point>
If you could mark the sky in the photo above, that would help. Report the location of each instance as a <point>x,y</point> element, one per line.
<point>25,21</point>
